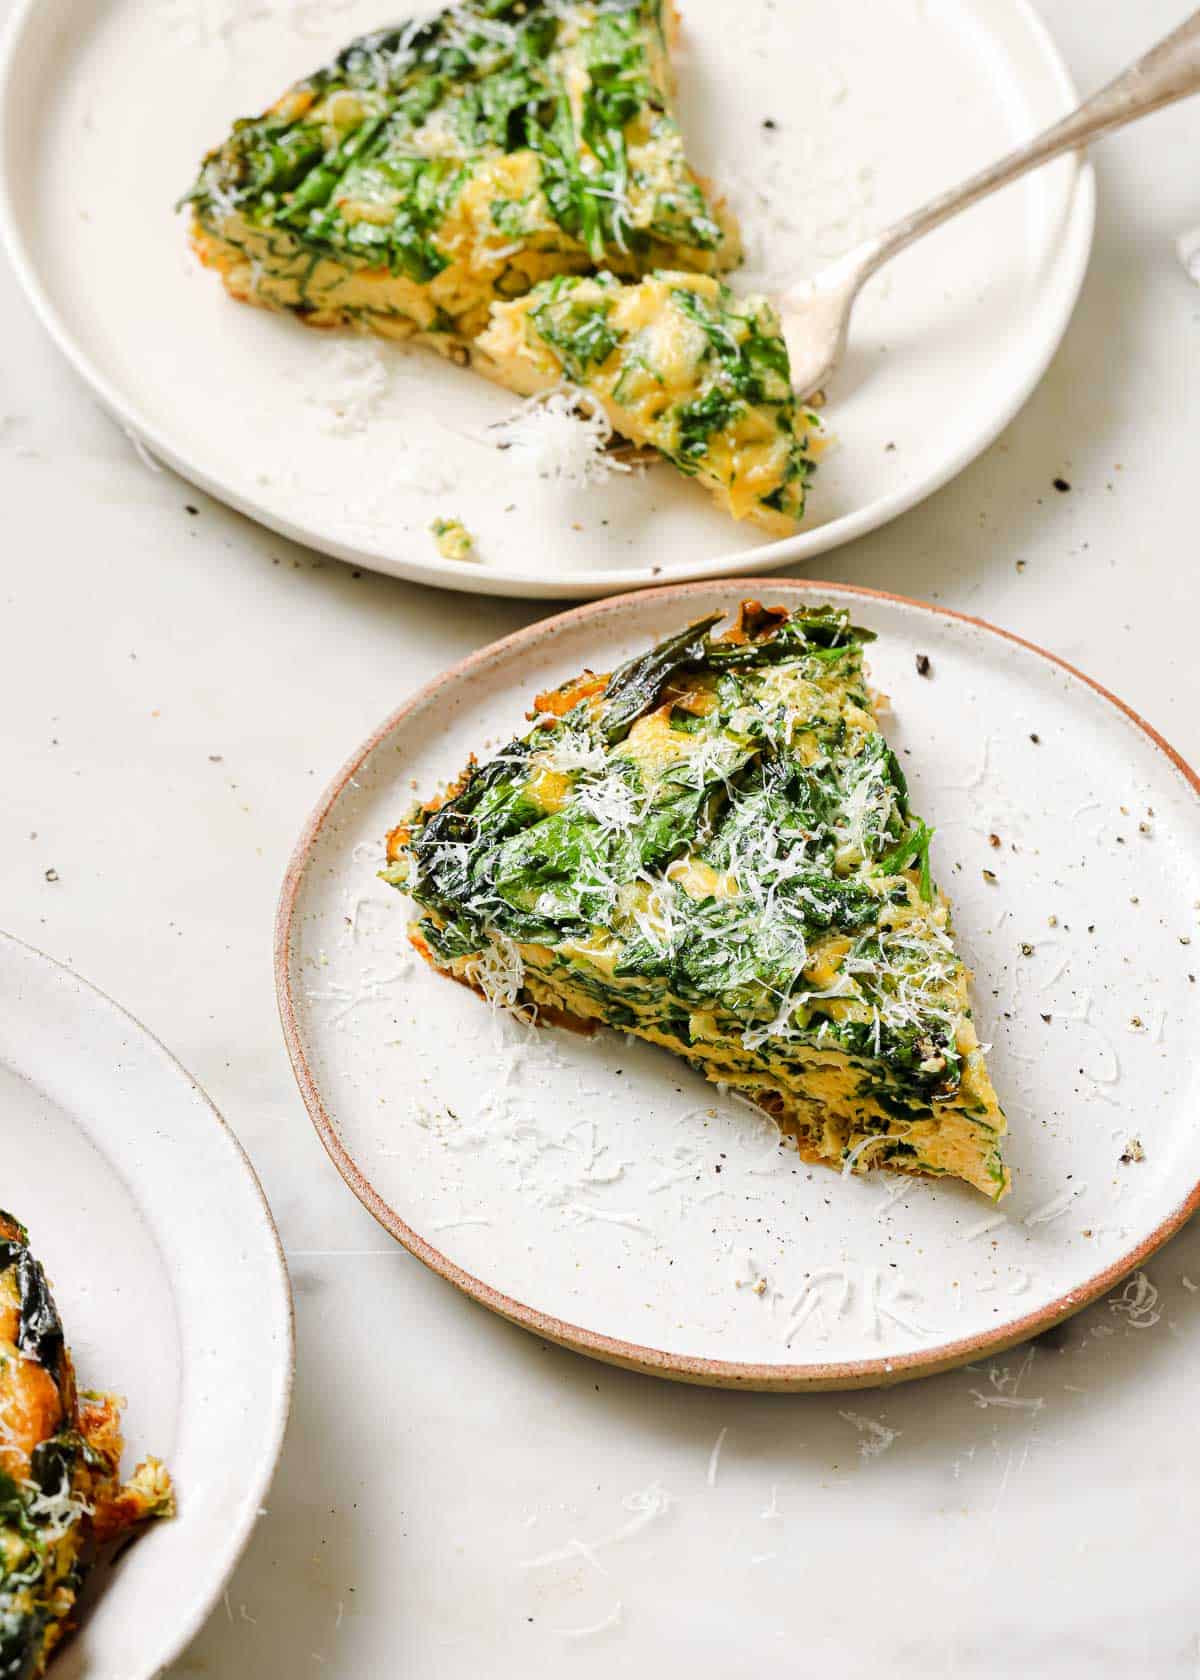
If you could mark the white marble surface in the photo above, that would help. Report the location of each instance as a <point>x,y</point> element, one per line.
<point>177,687</point>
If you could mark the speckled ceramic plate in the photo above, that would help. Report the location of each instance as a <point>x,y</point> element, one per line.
<point>355,447</point>
<point>169,1277</point>
<point>601,1194</point>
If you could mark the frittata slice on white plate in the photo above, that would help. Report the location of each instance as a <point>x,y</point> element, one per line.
<point>678,363</point>
<point>712,848</point>
<point>61,1493</point>
<point>440,165</point>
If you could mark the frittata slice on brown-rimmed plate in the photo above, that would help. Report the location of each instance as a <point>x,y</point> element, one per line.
<point>712,848</point>
<point>443,164</point>
<point>61,1494</point>
<point>679,363</point>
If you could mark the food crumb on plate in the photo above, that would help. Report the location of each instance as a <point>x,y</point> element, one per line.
<point>454,541</point>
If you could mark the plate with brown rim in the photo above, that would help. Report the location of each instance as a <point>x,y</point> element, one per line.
<point>601,1194</point>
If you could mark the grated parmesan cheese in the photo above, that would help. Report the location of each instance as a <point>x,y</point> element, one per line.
<point>645,1504</point>
<point>562,436</point>
<point>499,972</point>
<point>714,1457</point>
<point>1009,1402</point>
<point>852,1155</point>
<point>876,1437</point>
<point>1137,1303</point>
<point>55,1513</point>
<point>347,386</point>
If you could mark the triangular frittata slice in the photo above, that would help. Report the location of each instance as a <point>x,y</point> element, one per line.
<point>440,165</point>
<point>678,362</point>
<point>712,848</point>
<point>60,1456</point>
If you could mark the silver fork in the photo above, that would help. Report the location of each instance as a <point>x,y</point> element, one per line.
<point>816,311</point>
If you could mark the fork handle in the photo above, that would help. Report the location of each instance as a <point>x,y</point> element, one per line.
<point>1169,71</point>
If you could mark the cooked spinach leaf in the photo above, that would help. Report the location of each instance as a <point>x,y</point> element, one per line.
<point>635,686</point>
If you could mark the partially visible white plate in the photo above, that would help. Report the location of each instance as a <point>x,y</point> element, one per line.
<point>167,1270</point>
<point>107,105</point>
<point>601,1194</point>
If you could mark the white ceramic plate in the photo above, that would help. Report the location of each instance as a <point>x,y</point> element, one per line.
<point>572,1184</point>
<point>107,105</point>
<point>167,1271</point>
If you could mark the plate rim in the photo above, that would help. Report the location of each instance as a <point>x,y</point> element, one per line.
<point>614,1350</point>
<point>243,1528</point>
<point>1072,255</point>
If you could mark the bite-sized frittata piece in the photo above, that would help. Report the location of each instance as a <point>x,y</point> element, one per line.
<point>679,363</point>
<point>712,847</point>
<point>447,162</point>
<point>61,1493</point>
